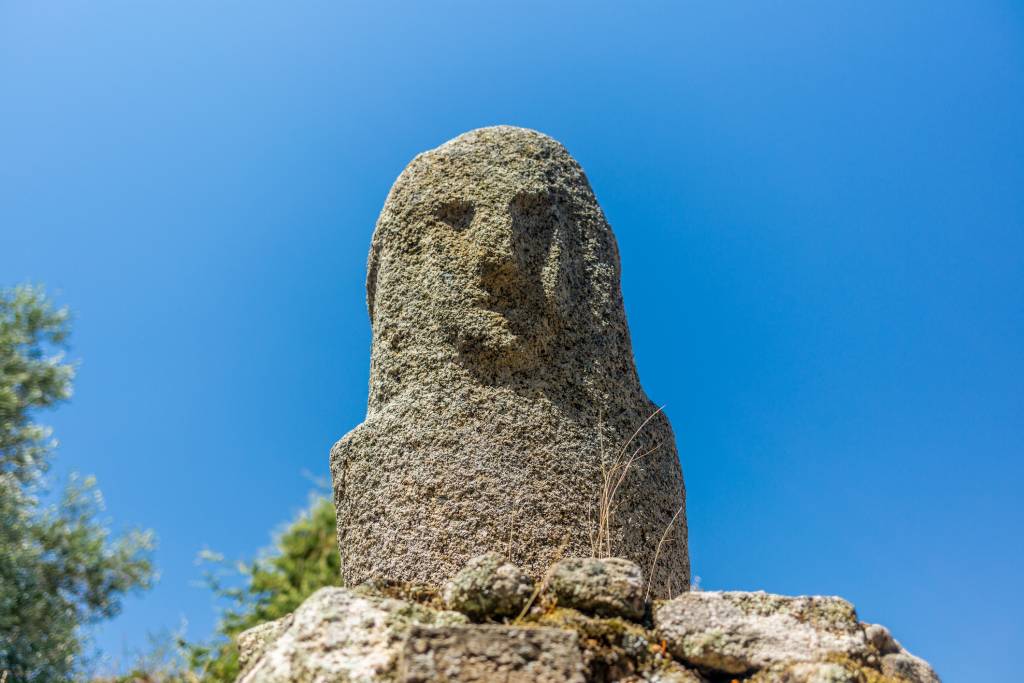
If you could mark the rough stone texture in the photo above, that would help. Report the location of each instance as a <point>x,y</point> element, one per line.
<point>491,653</point>
<point>671,673</point>
<point>337,635</point>
<point>904,665</point>
<point>501,378</point>
<point>611,587</point>
<point>881,639</point>
<point>736,633</point>
<point>895,660</point>
<point>811,672</point>
<point>254,641</point>
<point>615,649</point>
<point>489,587</point>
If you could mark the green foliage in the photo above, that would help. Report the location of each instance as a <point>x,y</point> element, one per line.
<point>305,558</point>
<point>29,379</point>
<point>60,569</point>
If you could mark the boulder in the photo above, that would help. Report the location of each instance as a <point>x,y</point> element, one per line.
<point>895,660</point>
<point>904,665</point>
<point>738,633</point>
<point>489,587</point>
<point>881,639</point>
<point>610,587</point>
<point>339,635</point>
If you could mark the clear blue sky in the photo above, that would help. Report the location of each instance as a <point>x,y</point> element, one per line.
<point>820,213</point>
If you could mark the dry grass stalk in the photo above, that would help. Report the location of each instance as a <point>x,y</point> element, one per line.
<point>657,552</point>
<point>612,476</point>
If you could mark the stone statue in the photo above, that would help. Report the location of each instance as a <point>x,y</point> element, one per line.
<point>507,438</point>
<point>505,412</point>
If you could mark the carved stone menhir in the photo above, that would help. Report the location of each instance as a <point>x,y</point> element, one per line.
<point>504,401</point>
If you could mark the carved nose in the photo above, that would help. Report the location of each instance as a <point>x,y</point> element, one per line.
<point>499,254</point>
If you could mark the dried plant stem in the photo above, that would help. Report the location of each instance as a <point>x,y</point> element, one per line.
<point>616,476</point>
<point>657,552</point>
<point>612,477</point>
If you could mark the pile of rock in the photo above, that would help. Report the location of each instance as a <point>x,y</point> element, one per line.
<point>588,620</point>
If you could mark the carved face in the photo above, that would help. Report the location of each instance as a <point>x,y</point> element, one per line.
<point>496,257</point>
<point>491,252</point>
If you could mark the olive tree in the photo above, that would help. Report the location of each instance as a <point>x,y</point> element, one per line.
<point>61,569</point>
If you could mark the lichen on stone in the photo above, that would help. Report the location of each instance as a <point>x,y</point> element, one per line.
<point>489,587</point>
<point>369,634</point>
<point>610,586</point>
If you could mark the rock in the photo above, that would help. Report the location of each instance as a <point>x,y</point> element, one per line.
<point>810,672</point>
<point>252,642</point>
<point>363,635</point>
<point>671,673</point>
<point>339,635</point>
<point>611,587</point>
<point>896,661</point>
<point>881,639</point>
<point>504,399</point>
<point>491,653</point>
<point>489,587</point>
<point>906,666</point>
<point>738,633</point>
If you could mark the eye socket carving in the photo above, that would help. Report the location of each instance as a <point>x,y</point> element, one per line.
<point>530,202</point>
<point>535,213</point>
<point>458,214</point>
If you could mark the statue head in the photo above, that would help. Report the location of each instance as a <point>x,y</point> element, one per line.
<point>492,260</point>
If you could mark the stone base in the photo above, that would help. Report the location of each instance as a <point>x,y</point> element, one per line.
<point>568,636</point>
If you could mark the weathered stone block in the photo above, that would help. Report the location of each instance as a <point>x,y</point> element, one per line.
<point>737,633</point>
<point>467,654</point>
<point>338,635</point>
